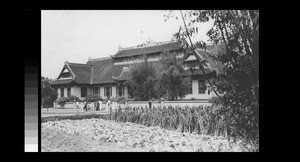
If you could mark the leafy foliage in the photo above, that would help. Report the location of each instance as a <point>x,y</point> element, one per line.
<point>238,30</point>
<point>163,79</point>
<point>92,98</point>
<point>142,82</point>
<point>73,98</point>
<point>48,94</point>
<point>171,84</point>
<point>62,101</point>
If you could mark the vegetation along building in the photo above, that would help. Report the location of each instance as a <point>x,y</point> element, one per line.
<point>105,76</point>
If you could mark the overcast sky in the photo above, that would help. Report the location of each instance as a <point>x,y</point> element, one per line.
<point>77,35</point>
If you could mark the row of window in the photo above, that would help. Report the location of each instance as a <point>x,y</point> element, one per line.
<point>62,92</point>
<point>120,90</point>
<point>136,58</point>
<point>108,91</point>
<point>201,87</point>
<point>96,91</point>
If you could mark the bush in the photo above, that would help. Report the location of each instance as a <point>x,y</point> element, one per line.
<point>93,98</point>
<point>121,100</point>
<point>62,101</point>
<point>73,98</point>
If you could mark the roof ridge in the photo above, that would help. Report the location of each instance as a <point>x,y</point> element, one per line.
<point>79,64</point>
<point>148,45</point>
<point>99,59</point>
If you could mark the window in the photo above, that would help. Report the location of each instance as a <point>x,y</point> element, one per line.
<point>201,86</point>
<point>191,87</point>
<point>120,90</point>
<point>107,91</point>
<point>61,92</point>
<point>69,91</point>
<point>96,90</point>
<point>83,91</point>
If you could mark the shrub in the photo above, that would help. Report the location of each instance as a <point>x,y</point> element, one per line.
<point>62,101</point>
<point>121,99</point>
<point>92,98</point>
<point>73,98</point>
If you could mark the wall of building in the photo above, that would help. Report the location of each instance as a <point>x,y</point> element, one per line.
<point>196,94</point>
<point>167,103</point>
<point>76,91</point>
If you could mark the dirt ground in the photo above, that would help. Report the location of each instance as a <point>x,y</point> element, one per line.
<point>56,141</point>
<point>98,135</point>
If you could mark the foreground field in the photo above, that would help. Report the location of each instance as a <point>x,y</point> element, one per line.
<point>98,135</point>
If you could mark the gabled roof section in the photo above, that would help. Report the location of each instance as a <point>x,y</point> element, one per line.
<point>206,55</point>
<point>82,72</point>
<point>104,70</point>
<point>132,51</point>
<point>66,67</point>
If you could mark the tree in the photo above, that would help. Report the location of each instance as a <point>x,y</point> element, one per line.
<point>239,31</point>
<point>142,82</point>
<point>171,84</point>
<point>48,94</point>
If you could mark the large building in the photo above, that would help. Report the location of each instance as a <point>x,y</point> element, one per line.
<point>105,76</point>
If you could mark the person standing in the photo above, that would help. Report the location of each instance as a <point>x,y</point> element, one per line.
<point>95,105</point>
<point>150,104</point>
<point>117,105</point>
<point>77,106</point>
<point>99,105</point>
<point>85,105</point>
<point>108,104</point>
<point>113,105</point>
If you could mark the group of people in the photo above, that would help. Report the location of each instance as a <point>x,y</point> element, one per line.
<point>98,105</point>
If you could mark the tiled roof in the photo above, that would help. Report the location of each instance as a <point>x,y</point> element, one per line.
<point>104,71</point>
<point>215,65</point>
<point>170,46</point>
<point>217,50</point>
<point>211,50</point>
<point>63,81</point>
<point>125,75</point>
<point>82,72</point>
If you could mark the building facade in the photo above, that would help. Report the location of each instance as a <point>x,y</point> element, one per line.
<point>105,76</point>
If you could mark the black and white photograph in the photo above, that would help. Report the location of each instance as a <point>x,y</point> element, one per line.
<point>149,81</point>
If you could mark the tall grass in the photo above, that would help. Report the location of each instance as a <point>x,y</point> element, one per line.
<point>198,119</point>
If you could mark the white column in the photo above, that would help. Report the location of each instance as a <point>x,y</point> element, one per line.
<point>58,93</point>
<point>65,92</point>
<point>114,91</point>
<point>195,87</point>
<point>102,91</point>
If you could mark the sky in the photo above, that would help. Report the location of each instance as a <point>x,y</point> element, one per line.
<point>77,35</point>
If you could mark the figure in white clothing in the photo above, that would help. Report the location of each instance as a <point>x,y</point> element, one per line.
<point>107,104</point>
<point>113,105</point>
<point>100,105</point>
